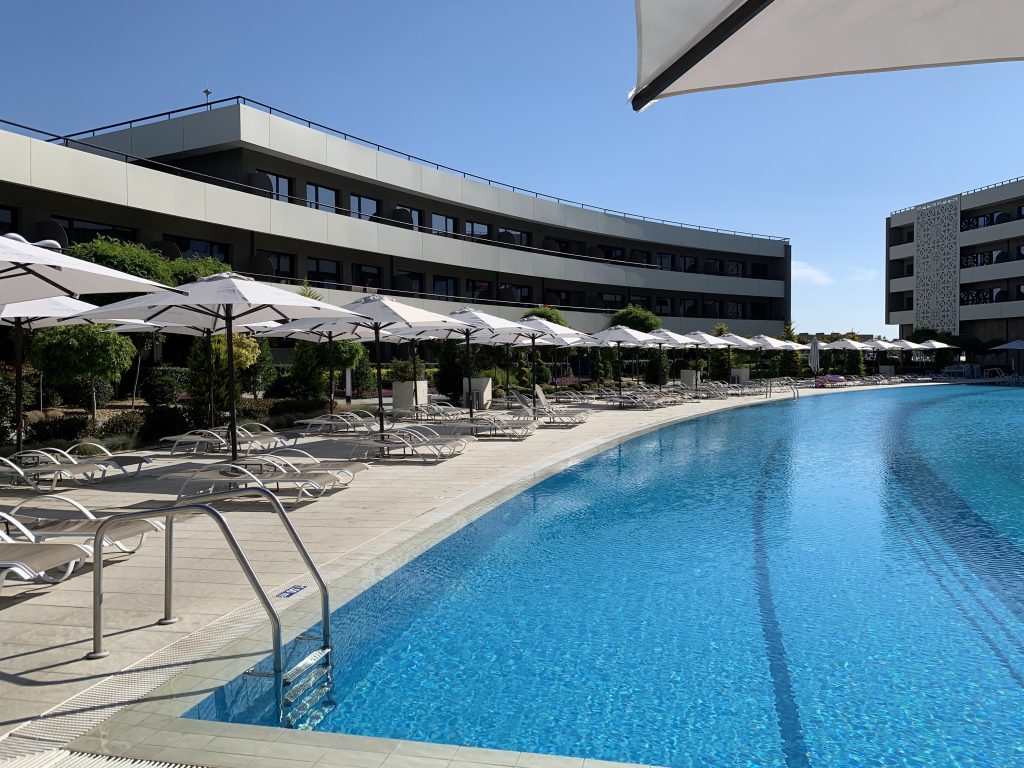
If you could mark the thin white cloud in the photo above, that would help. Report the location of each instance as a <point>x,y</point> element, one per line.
<point>862,275</point>
<point>805,273</point>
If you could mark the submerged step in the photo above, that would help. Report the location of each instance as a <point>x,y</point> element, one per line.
<point>311,681</point>
<point>305,665</point>
<point>308,704</point>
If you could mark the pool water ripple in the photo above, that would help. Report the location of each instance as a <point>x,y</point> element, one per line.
<point>828,582</point>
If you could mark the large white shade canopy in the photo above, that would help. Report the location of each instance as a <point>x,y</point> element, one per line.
<point>935,344</point>
<point>1016,344</point>
<point>548,328</point>
<point>707,340</point>
<point>29,272</point>
<point>771,343</point>
<point>379,311</point>
<point>209,302</point>
<point>880,345</point>
<point>42,313</point>
<point>473,322</point>
<point>673,339</point>
<point>740,341</point>
<point>908,345</point>
<point>698,45</point>
<point>622,335</point>
<point>850,344</point>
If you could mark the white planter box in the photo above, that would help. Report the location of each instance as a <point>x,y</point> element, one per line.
<point>402,394</point>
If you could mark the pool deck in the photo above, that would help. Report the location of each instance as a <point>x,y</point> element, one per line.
<point>129,703</point>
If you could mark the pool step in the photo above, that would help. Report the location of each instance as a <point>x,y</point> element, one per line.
<point>306,664</point>
<point>306,686</point>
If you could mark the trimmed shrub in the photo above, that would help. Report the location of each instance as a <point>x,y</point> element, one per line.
<point>253,410</point>
<point>163,386</point>
<point>78,393</point>
<point>124,423</point>
<point>164,420</point>
<point>60,428</point>
<point>297,405</point>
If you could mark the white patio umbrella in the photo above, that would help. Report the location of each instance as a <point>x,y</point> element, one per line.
<point>1017,345</point>
<point>741,342</point>
<point>880,345</point>
<point>216,304</point>
<point>540,328</point>
<point>619,335</point>
<point>709,342</point>
<point>935,344</point>
<point>382,313</point>
<point>28,272</point>
<point>697,45</point>
<point>672,340</point>
<point>319,331</point>
<point>851,345</point>
<point>476,324</point>
<point>909,346</point>
<point>814,358</point>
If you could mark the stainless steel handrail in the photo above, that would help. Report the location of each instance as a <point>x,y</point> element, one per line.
<point>193,507</point>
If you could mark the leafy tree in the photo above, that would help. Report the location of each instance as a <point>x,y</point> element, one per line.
<point>600,369</point>
<point>143,342</point>
<point>308,376</point>
<point>138,260</point>
<point>364,377</point>
<point>637,318</point>
<point>70,352</point>
<point>261,374</point>
<point>719,360</point>
<point>656,371</point>
<point>247,352</point>
<point>550,314</point>
<point>451,369</point>
<point>789,362</point>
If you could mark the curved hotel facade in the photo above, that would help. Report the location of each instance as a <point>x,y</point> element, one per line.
<point>957,264</point>
<point>287,200</point>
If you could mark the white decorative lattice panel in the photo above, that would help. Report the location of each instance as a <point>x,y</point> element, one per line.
<point>937,266</point>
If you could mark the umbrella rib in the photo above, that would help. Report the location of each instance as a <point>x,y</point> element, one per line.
<point>48,281</point>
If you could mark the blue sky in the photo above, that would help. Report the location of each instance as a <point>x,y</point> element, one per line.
<point>533,93</point>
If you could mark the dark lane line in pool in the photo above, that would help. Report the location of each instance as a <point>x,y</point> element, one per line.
<point>964,531</point>
<point>794,745</point>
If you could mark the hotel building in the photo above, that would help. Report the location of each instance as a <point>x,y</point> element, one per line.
<point>287,200</point>
<point>957,264</point>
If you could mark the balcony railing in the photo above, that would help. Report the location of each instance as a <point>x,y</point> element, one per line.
<point>243,100</point>
<point>155,165</point>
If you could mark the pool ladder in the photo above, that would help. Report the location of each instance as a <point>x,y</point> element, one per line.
<point>297,691</point>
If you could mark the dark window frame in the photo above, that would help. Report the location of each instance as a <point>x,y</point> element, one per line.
<point>275,184</point>
<point>185,250</point>
<point>315,201</point>
<point>315,273</point>
<point>451,224</point>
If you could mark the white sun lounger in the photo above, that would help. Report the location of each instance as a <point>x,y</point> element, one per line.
<point>32,561</point>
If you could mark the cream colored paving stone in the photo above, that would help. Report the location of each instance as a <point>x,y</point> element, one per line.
<point>414,761</point>
<point>531,760</point>
<point>485,756</point>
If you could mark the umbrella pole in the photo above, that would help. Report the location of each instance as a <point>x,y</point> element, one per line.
<point>18,386</point>
<point>330,370</point>
<point>415,383</point>
<point>380,379</point>
<point>469,373</point>
<point>232,424</point>
<point>618,359</point>
<point>508,373</point>
<point>533,362</point>
<point>209,375</point>
<point>661,368</point>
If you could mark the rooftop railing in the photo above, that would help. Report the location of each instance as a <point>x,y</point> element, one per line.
<point>244,100</point>
<point>969,192</point>
<point>69,141</point>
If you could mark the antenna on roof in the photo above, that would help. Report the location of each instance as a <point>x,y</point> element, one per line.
<point>208,93</point>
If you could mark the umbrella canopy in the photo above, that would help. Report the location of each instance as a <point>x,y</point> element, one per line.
<point>796,346</point>
<point>849,344</point>
<point>42,313</point>
<point>539,324</point>
<point>814,358</point>
<point>29,272</point>
<point>707,340</point>
<point>740,341</point>
<point>771,343</point>
<point>382,313</point>
<point>880,345</point>
<point>908,345</point>
<point>1016,344</point>
<point>619,335</point>
<point>934,344</point>
<point>215,304</point>
<point>673,339</point>
<point>698,45</point>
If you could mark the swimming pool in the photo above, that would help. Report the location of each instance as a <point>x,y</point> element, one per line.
<point>834,581</point>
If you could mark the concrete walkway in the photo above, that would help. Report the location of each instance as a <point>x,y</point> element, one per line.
<point>386,516</point>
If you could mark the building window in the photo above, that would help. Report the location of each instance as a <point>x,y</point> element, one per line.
<point>6,220</point>
<point>981,295</point>
<point>663,305</point>
<point>407,282</point>
<point>476,230</point>
<point>612,300</point>
<point>613,252</point>
<point>192,248</point>
<point>664,260</point>
<point>365,276</point>
<point>445,286</point>
<point>363,207</point>
<point>759,310</point>
<point>321,198</point>
<point>713,267</point>
<point>516,236</point>
<point>689,308</point>
<point>712,308</point>
<point>80,231</point>
<point>638,256</point>
<point>734,310</point>
<point>325,272</point>
<point>479,289</point>
<point>759,270</point>
<point>577,247</point>
<point>513,292</point>
<point>734,268</point>
<point>982,258</point>
<point>280,186</point>
<point>442,224</point>
<point>414,213</point>
<point>282,265</point>
<point>1020,291</point>
<point>690,264</point>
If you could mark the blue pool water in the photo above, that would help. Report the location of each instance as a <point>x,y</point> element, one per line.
<point>834,581</point>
